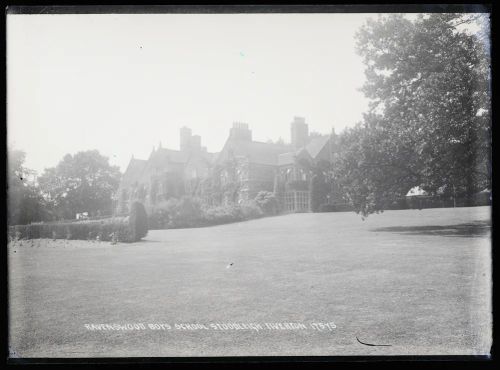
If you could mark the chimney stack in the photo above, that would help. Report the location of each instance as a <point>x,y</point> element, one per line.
<point>300,132</point>
<point>240,131</point>
<point>185,135</point>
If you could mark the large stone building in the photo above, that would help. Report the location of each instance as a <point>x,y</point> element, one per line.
<point>237,173</point>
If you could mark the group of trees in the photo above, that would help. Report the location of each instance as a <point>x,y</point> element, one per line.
<point>84,182</point>
<point>429,119</point>
<point>428,125</point>
<point>25,202</point>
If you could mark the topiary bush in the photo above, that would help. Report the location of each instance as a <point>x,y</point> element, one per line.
<point>138,222</point>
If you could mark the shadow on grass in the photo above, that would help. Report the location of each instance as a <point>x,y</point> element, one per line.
<point>148,241</point>
<point>467,230</point>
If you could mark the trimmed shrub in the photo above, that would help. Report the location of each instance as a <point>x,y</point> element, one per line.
<point>189,212</point>
<point>123,229</point>
<point>222,215</point>
<point>251,210</point>
<point>267,202</point>
<point>138,222</point>
<point>177,213</point>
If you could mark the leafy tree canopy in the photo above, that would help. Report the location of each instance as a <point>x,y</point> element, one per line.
<point>25,203</point>
<point>429,119</point>
<point>84,182</point>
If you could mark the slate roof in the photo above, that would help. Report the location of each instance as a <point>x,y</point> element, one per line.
<point>317,144</point>
<point>257,152</point>
<point>163,155</point>
<point>290,157</point>
<point>312,149</point>
<point>138,169</point>
<point>270,153</point>
<point>286,158</point>
<point>134,171</point>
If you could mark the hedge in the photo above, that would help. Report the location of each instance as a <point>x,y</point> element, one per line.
<point>189,212</point>
<point>232,213</point>
<point>121,229</point>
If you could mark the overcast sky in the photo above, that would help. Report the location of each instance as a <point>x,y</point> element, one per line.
<point>123,83</point>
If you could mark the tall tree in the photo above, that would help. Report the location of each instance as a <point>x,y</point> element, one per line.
<point>84,182</point>
<point>429,119</point>
<point>25,203</point>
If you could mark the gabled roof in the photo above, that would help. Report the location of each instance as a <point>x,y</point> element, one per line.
<point>286,158</point>
<point>256,151</point>
<point>310,151</point>
<point>316,145</point>
<point>202,157</point>
<point>291,157</point>
<point>134,171</point>
<point>163,155</point>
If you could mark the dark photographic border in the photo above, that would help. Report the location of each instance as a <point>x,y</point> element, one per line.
<point>252,7</point>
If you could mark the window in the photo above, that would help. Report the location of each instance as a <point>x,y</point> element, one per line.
<point>286,174</point>
<point>289,201</point>
<point>302,201</point>
<point>297,201</point>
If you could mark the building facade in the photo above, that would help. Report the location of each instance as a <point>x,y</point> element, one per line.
<point>243,168</point>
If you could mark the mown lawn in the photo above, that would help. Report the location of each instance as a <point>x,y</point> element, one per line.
<point>417,281</point>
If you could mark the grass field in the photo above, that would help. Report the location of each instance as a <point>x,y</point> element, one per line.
<point>416,281</point>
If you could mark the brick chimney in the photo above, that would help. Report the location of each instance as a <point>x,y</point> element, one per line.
<point>300,132</point>
<point>240,131</point>
<point>185,136</point>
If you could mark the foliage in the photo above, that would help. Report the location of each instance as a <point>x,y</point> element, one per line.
<point>25,202</point>
<point>222,214</point>
<point>116,228</point>
<point>429,121</point>
<point>223,185</point>
<point>190,212</point>
<point>187,210</point>
<point>320,185</point>
<point>231,213</point>
<point>267,202</point>
<point>138,220</point>
<point>84,182</point>
<point>251,210</point>
<point>175,213</point>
